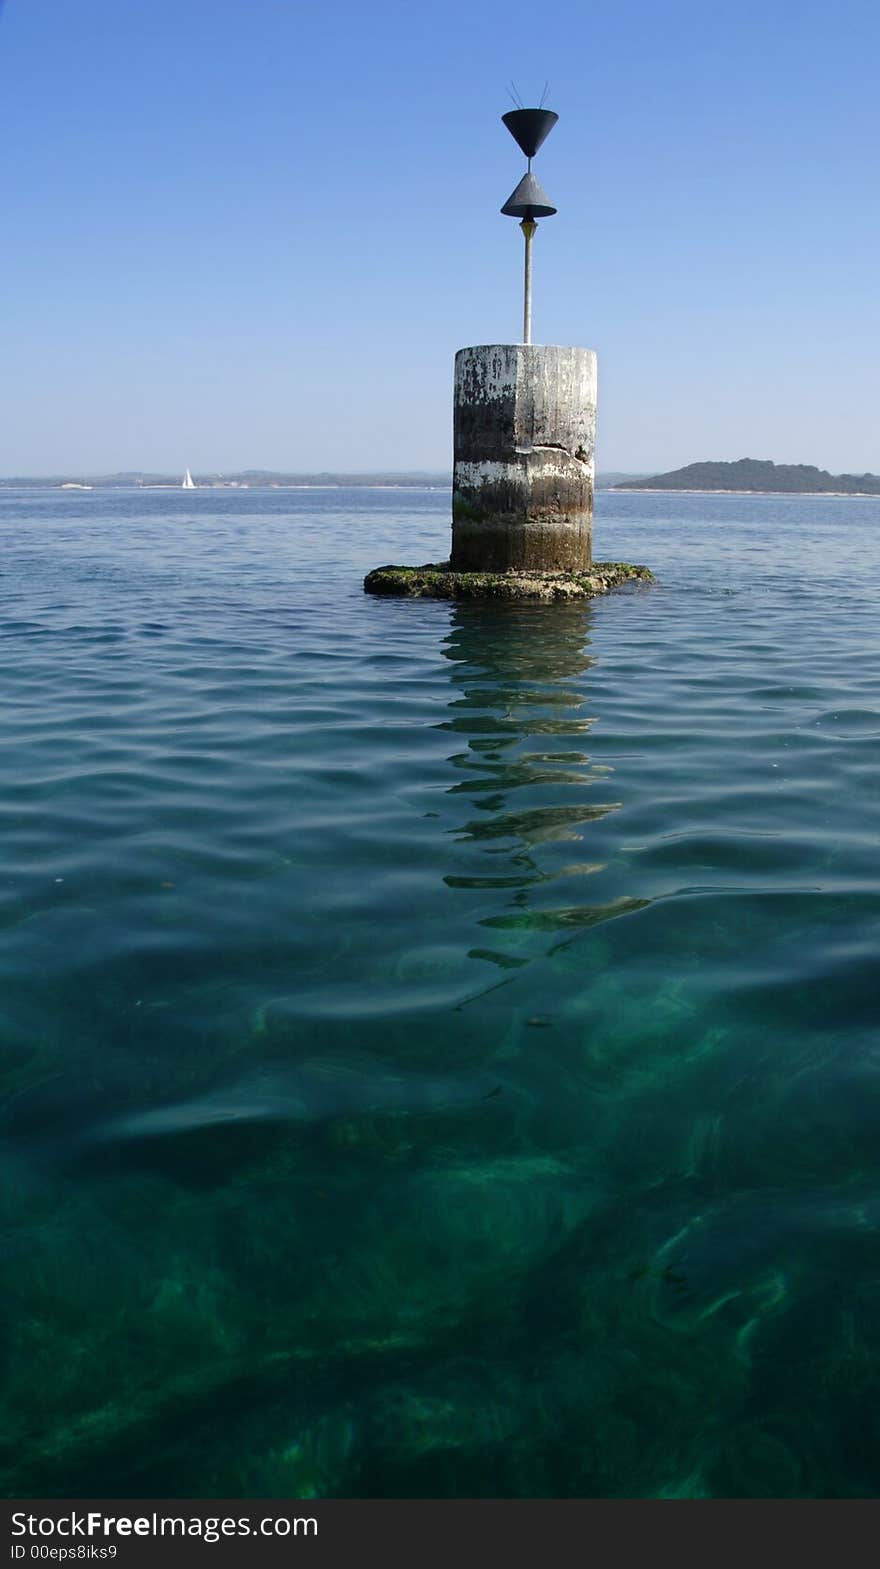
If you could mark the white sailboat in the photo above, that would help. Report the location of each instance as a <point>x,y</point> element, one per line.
<point>188,482</point>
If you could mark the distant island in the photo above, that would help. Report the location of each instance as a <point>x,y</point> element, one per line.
<point>756,474</point>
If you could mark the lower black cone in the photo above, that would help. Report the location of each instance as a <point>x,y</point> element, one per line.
<point>529,200</point>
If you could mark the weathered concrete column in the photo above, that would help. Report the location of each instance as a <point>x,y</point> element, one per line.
<point>524,438</point>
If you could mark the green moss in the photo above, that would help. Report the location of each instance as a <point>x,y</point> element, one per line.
<point>439,581</point>
<point>463,511</point>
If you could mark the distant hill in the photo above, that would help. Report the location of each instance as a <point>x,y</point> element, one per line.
<point>756,474</point>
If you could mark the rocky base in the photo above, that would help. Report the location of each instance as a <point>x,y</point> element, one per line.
<point>439,581</point>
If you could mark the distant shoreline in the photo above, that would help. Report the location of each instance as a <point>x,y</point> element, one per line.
<point>69,489</point>
<point>80,490</point>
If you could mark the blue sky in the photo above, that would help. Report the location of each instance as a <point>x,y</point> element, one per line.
<point>252,233</point>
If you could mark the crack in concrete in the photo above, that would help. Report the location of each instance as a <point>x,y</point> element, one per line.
<point>550,446</point>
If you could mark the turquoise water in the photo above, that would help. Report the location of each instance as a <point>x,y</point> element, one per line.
<point>439,1042</point>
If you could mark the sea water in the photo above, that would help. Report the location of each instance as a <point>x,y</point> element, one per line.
<point>439,1041</point>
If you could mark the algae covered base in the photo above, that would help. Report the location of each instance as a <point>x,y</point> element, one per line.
<point>440,581</point>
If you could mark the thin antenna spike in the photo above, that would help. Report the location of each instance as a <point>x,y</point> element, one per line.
<point>515,94</point>
<point>544,95</point>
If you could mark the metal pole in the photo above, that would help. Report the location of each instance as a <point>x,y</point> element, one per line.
<point>528,227</point>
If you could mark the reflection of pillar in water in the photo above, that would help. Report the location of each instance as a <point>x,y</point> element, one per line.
<point>521,711</point>
<point>531,797</point>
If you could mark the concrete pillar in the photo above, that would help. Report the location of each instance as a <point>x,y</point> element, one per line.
<point>525,431</point>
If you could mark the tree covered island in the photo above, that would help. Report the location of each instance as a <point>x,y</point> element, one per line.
<point>756,474</point>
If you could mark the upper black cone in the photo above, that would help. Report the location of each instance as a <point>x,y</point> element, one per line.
<point>530,127</point>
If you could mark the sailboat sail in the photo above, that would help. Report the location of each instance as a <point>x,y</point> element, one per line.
<point>188,481</point>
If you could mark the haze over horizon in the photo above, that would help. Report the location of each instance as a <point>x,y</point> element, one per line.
<point>254,238</point>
